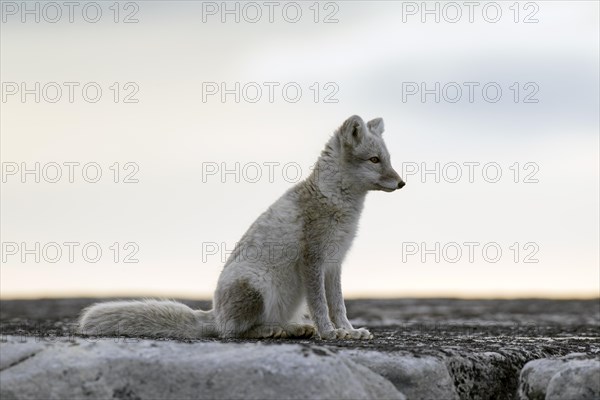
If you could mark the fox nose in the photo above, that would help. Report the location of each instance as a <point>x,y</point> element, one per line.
<point>401,184</point>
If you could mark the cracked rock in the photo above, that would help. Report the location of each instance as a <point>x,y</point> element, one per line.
<point>573,377</point>
<point>144,369</point>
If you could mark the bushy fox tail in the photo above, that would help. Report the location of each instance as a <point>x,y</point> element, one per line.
<point>147,318</point>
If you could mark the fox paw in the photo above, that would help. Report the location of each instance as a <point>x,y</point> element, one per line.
<point>342,333</point>
<point>360,334</point>
<point>333,334</point>
<point>300,330</point>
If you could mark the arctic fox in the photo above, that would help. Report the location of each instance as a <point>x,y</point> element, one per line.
<point>303,236</point>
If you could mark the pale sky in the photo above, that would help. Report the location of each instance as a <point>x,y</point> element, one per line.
<point>541,134</point>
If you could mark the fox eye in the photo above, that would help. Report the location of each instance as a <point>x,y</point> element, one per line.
<point>374,160</point>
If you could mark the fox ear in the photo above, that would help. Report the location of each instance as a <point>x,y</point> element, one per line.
<point>376,126</point>
<point>352,130</point>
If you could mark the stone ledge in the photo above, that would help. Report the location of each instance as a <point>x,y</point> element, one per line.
<point>149,369</point>
<point>573,377</point>
<point>423,349</point>
<point>91,368</point>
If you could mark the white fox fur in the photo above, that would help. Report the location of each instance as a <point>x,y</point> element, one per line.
<point>291,254</point>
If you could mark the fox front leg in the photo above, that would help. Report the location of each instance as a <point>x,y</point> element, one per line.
<point>337,308</point>
<point>314,279</point>
<point>317,303</point>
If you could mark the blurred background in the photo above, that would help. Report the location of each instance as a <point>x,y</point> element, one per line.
<point>139,140</point>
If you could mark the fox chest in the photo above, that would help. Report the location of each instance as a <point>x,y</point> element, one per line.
<point>330,234</point>
<point>342,237</point>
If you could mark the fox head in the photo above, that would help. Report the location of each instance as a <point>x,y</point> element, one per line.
<point>364,157</point>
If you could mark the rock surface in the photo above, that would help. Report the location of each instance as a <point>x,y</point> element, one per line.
<point>145,369</point>
<point>422,377</point>
<point>423,349</point>
<point>573,377</point>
